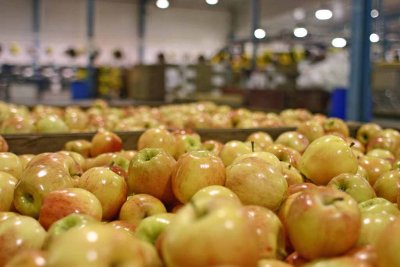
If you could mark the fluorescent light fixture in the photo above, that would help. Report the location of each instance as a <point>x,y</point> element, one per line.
<point>300,32</point>
<point>323,14</point>
<point>260,34</point>
<point>212,2</point>
<point>163,4</point>
<point>374,13</point>
<point>339,42</point>
<point>374,38</point>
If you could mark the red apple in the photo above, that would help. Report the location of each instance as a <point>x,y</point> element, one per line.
<point>387,245</point>
<point>286,154</point>
<point>80,146</point>
<point>3,144</point>
<point>28,258</point>
<point>186,141</point>
<point>105,141</point>
<point>261,139</point>
<point>374,167</point>
<point>213,146</point>
<point>311,129</point>
<point>366,131</point>
<point>336,125</point>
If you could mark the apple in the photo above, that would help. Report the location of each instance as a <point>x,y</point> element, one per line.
<point>213,146</point>
<point>383,154</point>
<point>102,160</point>
<point>269,230</point>
<point>364,253</point>
<point>80,146</point>
<point>384,140</point>
<point>150,172</point>
<point>366,131</point>
<point>150,228</point>
<point>374,167</point>
<point>266,156</point>
<point>4,215</point>
<point>194,171</point>
<point>17,124</point>
<point>338,262</point>
<point>73,220</point>
<point>60,203</point>
<point>79,159</point>
<point>140,206</point>
<point>295,259</point>
<point>354,185</point>
<point>76,119</point>
<point>110,188</point>
<point>45,173</point>
<point>214,191</point>
<point>219,120</point>
<point>19,233</point>
<point>286,154</point>
<point>291,174</point>
<point>100,245</point>
<point>28,258</point>
<point>252,179</point>
<point>336,125</point>
<point>294,140</point>
<point>355,144</point>
<point>123,225</point>
<point>388,185</point>
<point>210,233</point>
<point>387,245</point>
<point>295,188</point>
<point>272,263</point>
<point>7,186</point>
<point>51,124</point>
<point>379,205</point>
<point>25,159</point>
<point>317,217</point>
<point>3,144</point>
<point>311,129</point>
<point>261,139</point>
<point>186,141</point>
<point>232,150</point>
<point>157,138</point>
<point>327,157</point>
<point>10,163</point>
<point>105,141</point>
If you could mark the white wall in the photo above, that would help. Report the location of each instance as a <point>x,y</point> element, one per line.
<point>179,33</point>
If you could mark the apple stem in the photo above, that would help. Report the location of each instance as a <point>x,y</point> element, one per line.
<point>352,144</point>
<point>252,146</point>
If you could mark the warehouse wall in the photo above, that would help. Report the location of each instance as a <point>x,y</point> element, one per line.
<point>179,33</point>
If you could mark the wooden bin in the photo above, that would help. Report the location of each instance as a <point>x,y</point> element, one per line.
<point>147,82</point>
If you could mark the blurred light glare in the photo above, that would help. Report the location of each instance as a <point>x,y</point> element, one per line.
<point>374,13</point>
<point>212,2</point>
<point>260,34</point>
<point>300,32</point>
<point>374,38</point>
<point>163,4</point>
<point>299,14</point>
<point>339,42</point>
<point>323,14</point>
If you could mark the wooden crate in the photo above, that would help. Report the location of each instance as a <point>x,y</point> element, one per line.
<point>147,82</point>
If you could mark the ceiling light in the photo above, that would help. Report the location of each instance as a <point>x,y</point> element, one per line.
<point>323,14</point>
<point>374,13</point>
<point>374,38</point>
<point>260,34</point>
<point>163,4</point>
<point>212,2</point>
<point>339,42</point>
<point>299,13</point>
<point>300,32</point>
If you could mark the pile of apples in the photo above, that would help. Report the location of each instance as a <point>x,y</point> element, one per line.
<point>314,197</point>
<point>48,119</point>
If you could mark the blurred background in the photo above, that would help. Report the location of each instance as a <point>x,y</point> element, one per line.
<point>262,54</point>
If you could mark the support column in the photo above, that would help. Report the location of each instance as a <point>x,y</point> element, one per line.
<point>255,24</point>
<point>141,29</point>
<point>359,101</point>
<point>90,19</point>
<point>36,34</point>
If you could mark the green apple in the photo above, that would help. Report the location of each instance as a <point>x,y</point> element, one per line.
<point>75,119</point>
<point>80,146</point>
<point>379,205</point>
<point>150,172</point>
<point>28,258</point>
<point>269,230</point>
<point>214,191</point>
<point>194,171</point>
<point>261,139</point>
<point>291,174</point>
<point>25,159</point>
<point>252,179</point>
<point>10,163</point>
<point>294,140</point>
<point>19,233</point>
<point>109,187</point>
<point>366,131</point>
<point>210,232</point>
<point>327,157</point>
<point>317,217</point>
<point>100,246</point>
<point>383,154</point>
<point>374,167</point>
<point>60,203</point>
<point>186,142</point>
<point>388,185</point>
<point>7,186</point>
<point>266,156</point>
<point>354,185</point>
<point>51,124</point>
<point>157,138</point>
<point>232,150</point>
<point>150,228</point>
<point>335,125</point>
<point>311,129</point>
<point>4,215</point>
<point>140,206</point>
<point>17,124</point>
